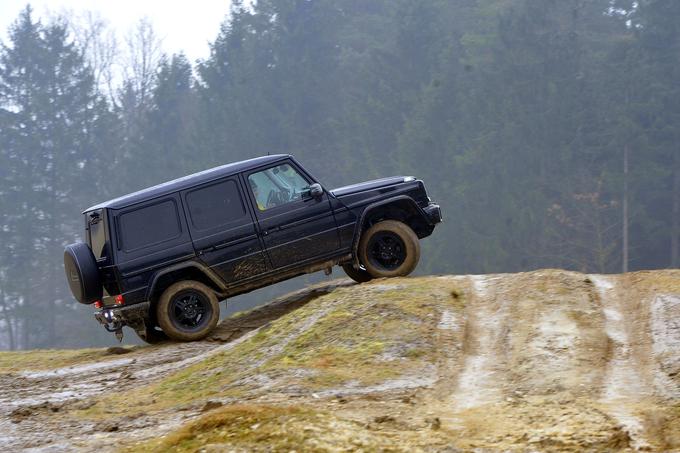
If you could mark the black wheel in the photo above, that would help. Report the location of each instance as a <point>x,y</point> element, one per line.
<point>153,334</point>
<point>358,275</point>
<point>188,311</point>
<point>389,249</point>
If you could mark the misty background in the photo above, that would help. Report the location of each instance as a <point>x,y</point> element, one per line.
<point>548,130</point>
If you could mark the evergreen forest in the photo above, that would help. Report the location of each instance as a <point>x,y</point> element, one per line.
<point>548,130</point>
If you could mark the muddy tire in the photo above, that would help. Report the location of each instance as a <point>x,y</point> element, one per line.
<point>358,275</point>
<point>188,311</point>
<point>389,249</point>
<point>82,273</point>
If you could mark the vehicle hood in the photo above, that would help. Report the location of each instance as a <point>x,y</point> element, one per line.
<point>369,185</point>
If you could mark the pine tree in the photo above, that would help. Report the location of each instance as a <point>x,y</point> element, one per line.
<point>50,111</point>
<point>170,138</point>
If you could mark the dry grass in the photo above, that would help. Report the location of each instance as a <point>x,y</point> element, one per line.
<point>262,428</point>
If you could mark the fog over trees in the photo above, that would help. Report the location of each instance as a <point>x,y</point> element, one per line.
<point>548,130</point>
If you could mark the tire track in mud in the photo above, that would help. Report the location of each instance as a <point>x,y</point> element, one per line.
<point>35,399</point>
<point>75,382</point>
<point>556,341</point>
<point>626,379</point>
<point>530,339</point>
<point>483,366</point>
<point>449,336</point>
<point>665,333</point>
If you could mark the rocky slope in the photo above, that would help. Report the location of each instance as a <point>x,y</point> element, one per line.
<point>541,361</point>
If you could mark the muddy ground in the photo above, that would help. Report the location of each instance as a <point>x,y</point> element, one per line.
<point>540,361</point>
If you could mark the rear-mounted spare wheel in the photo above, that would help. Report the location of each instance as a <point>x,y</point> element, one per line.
<point>82,273</point>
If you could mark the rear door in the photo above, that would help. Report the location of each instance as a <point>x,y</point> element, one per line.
<point>223,230</point>
<point>294,228</point>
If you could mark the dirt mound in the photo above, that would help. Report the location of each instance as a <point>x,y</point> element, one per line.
<point>546,360</point>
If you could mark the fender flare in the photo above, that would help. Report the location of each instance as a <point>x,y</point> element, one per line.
<point>205,270</point>
<point>371,207</point>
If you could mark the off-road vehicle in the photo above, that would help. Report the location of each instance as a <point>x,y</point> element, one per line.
<point>159,260</point>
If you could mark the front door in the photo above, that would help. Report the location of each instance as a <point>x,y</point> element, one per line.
<point>223,230</point>
<point>295,227</point>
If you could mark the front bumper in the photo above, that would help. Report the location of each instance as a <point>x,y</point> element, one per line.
<point>433,213</point>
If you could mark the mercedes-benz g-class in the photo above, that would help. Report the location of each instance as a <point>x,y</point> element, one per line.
<point>159,260</point>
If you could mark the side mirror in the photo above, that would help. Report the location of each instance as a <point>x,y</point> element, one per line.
<point>315,191</point>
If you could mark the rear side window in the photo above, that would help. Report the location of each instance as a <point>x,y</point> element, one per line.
<point>149,225</point>
<point>97,233</point>
<point>215,205</point>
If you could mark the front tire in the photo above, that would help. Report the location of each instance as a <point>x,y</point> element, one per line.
<point>389,249</point>
<point>188,311</point>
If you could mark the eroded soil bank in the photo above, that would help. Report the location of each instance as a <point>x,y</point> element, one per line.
<point>543,361</point>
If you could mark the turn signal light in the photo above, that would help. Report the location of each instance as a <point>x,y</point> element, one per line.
<point>98,304</point>
<point>119,299</point>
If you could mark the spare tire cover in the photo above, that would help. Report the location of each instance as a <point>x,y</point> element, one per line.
<point>82,273</point>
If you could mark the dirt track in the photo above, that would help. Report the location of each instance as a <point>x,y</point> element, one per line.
<point>546,360</point>
<point>552,359</point>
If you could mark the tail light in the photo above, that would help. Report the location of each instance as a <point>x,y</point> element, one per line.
<point>98,304</point>
<point>119,299</point>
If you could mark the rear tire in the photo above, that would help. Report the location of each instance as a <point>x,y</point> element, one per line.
<point>188,311</point>
<point>358,275</point>
<point>389,249</point>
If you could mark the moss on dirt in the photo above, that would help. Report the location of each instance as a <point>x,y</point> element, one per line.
<point>266,428</point>
<point>362,335</point>
<point>236,427</point>
<point>543,424</point>
<point>43,359</point>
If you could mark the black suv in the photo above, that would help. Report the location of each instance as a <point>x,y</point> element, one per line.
<point>160,259</point>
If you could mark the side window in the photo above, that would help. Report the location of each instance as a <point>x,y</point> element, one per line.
<point>97,234</point>
<point>149,225</point>
<point>215,205</point>
<point>276,186</point>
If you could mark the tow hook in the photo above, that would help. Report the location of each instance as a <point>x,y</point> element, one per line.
<point>113,325</point>
<point>117,328</point>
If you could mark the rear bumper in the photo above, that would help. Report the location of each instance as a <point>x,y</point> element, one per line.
<point>433,213</point>
<point>114,318</point>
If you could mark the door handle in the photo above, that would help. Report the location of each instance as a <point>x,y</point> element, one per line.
<point>270,230</point>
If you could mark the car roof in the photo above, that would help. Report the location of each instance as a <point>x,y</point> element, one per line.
<point>186,182</point>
